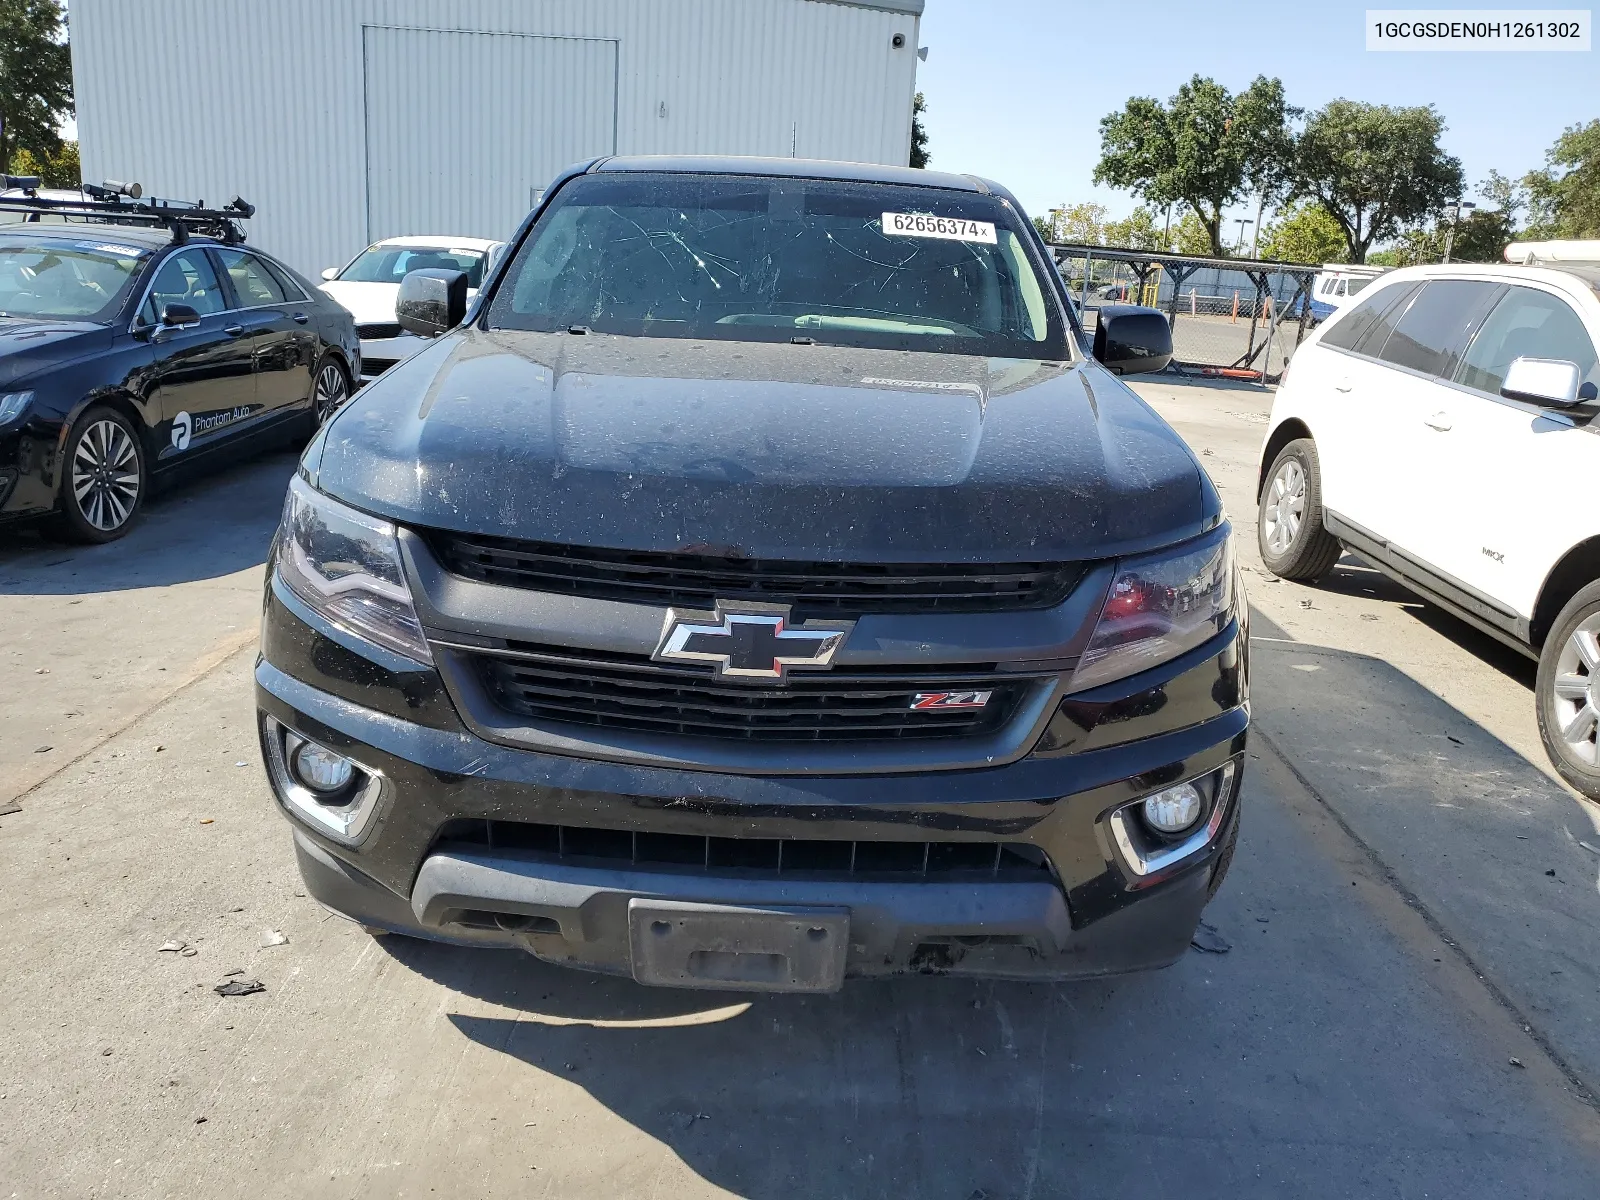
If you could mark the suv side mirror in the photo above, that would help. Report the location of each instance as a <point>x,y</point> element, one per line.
<point>431,301</point>
<point>179,316</point>
<point>1542,381</point>
<point>330,272</point>
<point>1130,340</point>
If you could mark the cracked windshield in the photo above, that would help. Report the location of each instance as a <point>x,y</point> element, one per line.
<point>763,259</point>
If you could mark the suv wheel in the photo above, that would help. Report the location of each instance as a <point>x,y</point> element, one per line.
<point>104,478</point>
<point>1568,692</point>
<point>1294,544</point>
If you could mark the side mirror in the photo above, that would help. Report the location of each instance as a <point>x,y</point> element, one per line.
<point>431,301</point>
<point>1131,340</point>
<point>330,272</point>
<point>1542,381</point>
<point>179,316</point>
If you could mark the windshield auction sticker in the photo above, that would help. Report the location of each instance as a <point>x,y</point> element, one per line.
<point>1554,29</point>
<point>951,229</point>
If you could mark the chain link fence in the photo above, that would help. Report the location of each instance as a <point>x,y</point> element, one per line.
<point>1231,318</point>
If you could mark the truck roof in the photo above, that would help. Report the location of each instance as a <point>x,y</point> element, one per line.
<point>798,168</point>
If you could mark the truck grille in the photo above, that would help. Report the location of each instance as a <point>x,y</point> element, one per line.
<point>762,856</point>
<point>579,687</point>
<point>378,331</point>
<point>699,580</point>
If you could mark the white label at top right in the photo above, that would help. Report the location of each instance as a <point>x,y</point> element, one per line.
<point>1553,29</point>
<point>951,229</point>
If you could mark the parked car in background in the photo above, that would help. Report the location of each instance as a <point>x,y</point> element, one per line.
<point>1445,429</point>
<point>1337,285</point>
<point>767,583</point>
<point>1583,252</point>
<point>130,351</point>
<point>369,283</point>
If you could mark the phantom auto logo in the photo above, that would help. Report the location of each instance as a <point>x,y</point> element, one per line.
<point>750,641</point>
<point>185,427</point>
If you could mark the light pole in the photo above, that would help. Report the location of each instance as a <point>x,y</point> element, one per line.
<point>1241,222</point>
<point>1453,211</point>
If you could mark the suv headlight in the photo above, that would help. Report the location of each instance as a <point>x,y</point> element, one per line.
<point>346,566</point>
<point>1160,606</point>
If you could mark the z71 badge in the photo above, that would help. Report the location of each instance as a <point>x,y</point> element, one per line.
<point>927,700</point>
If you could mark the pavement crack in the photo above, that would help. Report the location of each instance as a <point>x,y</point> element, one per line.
<point>1499,995</point>
<point>203,668</point>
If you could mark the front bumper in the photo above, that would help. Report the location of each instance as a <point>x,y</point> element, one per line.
<point>1091,914</point>
<point>999,931</point>
<point>379,354</point>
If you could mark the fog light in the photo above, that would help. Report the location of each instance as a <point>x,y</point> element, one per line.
<point>1174,810</point>
<point>321,770</point>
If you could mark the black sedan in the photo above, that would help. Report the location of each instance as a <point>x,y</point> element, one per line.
<point>127,352</point>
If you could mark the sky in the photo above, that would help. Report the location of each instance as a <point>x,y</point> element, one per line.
<point>1016,88</point>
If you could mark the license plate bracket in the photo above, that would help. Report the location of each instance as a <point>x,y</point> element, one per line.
<point>738,947</point>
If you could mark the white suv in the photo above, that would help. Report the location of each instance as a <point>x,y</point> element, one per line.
<point>1446,428</point>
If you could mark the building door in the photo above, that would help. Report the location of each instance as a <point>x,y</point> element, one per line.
<point>464,128</point>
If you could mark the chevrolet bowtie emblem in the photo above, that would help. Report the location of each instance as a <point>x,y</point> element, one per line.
<point>750,641</point>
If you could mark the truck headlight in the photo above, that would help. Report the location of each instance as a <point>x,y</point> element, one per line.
<point>346,566</point>
<point>1160,606</point>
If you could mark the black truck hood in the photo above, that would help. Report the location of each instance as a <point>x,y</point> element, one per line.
<point>765,450</point>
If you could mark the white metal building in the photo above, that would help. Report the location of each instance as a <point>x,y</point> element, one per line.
<point>345,121</point>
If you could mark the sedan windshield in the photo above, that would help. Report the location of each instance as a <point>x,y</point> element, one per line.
<point>57,279</point>
<point>778,259</point>
<point>391,264</point>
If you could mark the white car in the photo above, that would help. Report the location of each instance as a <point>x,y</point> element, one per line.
<point>1446,428</point>
<point>1337,285</point>
<point>369,283</point>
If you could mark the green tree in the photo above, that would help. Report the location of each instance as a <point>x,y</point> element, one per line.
<point>1137,231</point>
<point>1564,197</point>
<point>1482,237</point>
<point>1375,169</point>
<point>58,170</point>
<point>1206,147</point>
<point>1190,236</point>
<point>35,77</point>
<point>1510,196</point>
<point>1082,224</point>
<point>919,134</point>
<point>1304,233</point>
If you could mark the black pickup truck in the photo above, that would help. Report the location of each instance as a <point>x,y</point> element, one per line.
<point>766,582</point>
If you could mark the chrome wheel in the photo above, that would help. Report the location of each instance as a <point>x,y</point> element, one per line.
<point>1285,508</point>
<point>1575,702</point>
<point>105,475</point>
<point>330,392</point>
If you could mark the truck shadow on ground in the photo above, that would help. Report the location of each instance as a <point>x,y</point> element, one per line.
<point>911,1087</point>
<point>204,526</point>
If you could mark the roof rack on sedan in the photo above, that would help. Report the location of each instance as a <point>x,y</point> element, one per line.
<point>124,203</point>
